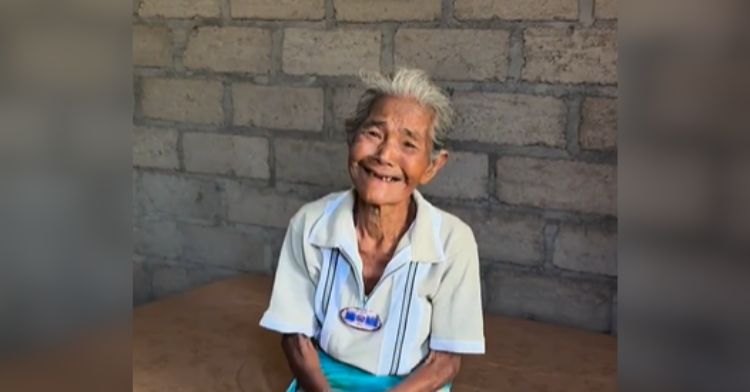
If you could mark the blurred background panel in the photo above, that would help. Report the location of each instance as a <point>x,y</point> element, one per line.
<point>65,246</point>
<point>684,147</point>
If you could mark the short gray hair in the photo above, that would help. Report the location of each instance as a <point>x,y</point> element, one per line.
<point>412,83</point>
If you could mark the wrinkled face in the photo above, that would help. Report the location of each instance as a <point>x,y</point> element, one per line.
<point>391,153</point>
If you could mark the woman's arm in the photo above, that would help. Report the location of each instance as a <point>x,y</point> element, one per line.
<point>304,362</point>
<point>438,369</point>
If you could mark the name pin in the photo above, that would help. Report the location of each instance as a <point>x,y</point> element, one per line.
<point>361,319</point>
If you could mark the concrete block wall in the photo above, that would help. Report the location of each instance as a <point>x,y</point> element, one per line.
<point>239,121</point>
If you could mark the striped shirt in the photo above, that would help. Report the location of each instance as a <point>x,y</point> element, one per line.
<point>428,298</point>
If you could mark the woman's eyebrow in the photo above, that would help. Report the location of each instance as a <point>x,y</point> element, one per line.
<point>375,122</point>
<point>411,134</point>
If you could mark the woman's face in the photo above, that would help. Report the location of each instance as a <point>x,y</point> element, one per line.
<point>391,153</point>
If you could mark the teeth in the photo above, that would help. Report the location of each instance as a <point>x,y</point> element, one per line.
<point>386,179</point>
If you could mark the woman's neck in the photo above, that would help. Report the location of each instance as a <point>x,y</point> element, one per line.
<point>383,225</point>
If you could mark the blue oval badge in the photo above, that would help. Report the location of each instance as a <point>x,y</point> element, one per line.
<point>362,319</point>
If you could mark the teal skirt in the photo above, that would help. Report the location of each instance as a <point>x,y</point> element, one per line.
<point>346,378</point>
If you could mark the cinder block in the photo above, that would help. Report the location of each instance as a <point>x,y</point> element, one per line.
<point>169,280</point>
<point>157,237</point>
<point>463,177</point>
<point>505,237</point>
<point>141,281</point>
<point>154,147</point>
<point>516,9</point>
<point>312,162</point>
<point>586,249</point>
<point>509,119</point>
<point>278,107</point>
<point>177,196</point>
<point>454,54</point>
<point>152,46</point>
<point>386,10</point>
<point>278,9</point>
<point>345,101</point>
<point>579,56</point>
<point>599,124</point>
<point>275,240</point>
<point>226,247</point>
<point>558,184</point>
<point>226,154</point>
<point>338,52</point>
<point>201,275</point>
<point>229,49</point>
<point>605,9</point>
<point>197,101</point>
<point>180,8</point>
<point>574,303</point>
<point>264,207</point>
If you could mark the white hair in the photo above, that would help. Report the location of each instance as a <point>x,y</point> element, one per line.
<point>412,83</point>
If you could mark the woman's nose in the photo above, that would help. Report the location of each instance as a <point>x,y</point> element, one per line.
<point>386,151</point>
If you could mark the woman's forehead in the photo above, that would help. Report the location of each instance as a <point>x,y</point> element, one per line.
<point>403,112</point>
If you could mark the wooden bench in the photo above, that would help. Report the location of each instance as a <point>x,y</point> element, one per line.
<point>208,339</point>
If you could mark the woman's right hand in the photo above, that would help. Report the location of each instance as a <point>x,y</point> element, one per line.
<point>304,362</point>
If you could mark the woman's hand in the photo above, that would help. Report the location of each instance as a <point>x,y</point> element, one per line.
<point>304,362</point>
<point>437,370</point>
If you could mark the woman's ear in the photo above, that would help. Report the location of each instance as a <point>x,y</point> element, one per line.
<point>436,164</point>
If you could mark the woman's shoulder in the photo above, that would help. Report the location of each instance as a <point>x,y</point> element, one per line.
<point>453,226</point>
<point>313,210</point>
<point>454,234</point>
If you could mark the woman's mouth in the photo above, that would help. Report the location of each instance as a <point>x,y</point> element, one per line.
<point>380,177</point>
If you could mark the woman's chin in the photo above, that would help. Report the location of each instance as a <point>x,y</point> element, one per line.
<point>377,197</point>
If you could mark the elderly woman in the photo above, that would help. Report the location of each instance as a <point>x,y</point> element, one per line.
<point>376,289</point>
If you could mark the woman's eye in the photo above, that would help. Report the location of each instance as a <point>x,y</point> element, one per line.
<point>372,132</point>
<point>410,145</point>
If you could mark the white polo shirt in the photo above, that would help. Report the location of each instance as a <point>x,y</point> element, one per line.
<point>429,296</point>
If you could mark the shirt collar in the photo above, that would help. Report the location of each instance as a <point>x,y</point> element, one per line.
<point>335,229</point>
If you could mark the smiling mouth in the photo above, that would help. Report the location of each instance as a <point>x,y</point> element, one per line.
<point>379,177</point>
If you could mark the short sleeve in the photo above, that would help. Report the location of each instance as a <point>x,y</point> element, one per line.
<point>291,309</point>
<point>457,318</point>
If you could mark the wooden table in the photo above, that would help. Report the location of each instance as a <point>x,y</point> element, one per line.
<point>208,339</point>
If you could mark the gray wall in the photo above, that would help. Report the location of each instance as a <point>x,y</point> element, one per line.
<point>239,121</point>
